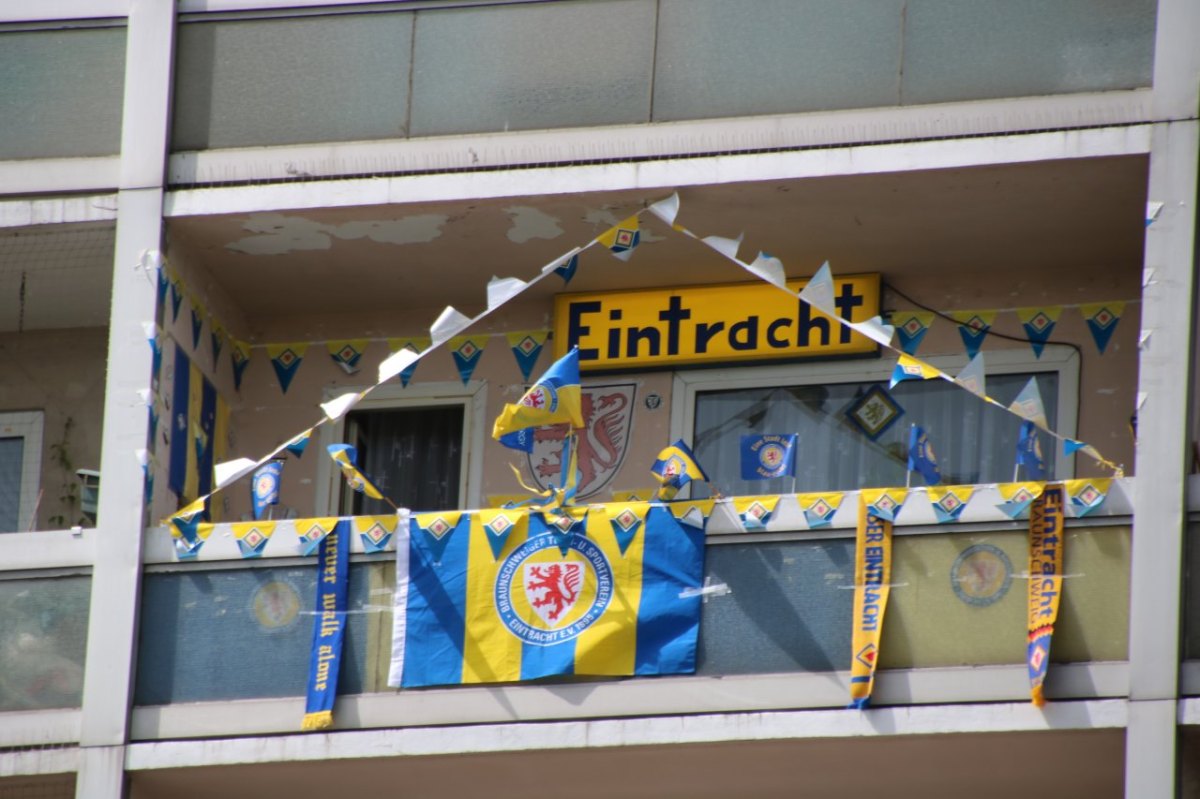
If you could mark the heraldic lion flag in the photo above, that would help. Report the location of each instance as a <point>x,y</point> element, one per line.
<point>520,594</point>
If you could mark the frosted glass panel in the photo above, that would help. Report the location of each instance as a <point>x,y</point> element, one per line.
<point>286,81</point>
<point>720,58</point>
<point>61,92</point>
<point>971,49</point>
<point>43,641</point>
<point>525,67</point>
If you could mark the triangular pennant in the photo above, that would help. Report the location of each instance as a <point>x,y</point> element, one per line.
<point>216,337</point>
<point>911,327</point>
<point>375,531</point>
<point>252,537</point>
<point>197,324</point>
<point>1087,494</point>
<point>176,298</point>
<point>634,494</point>
<point>498,524</point>
<point>666,209</point>
<point>973,377</point>
<point>818,292</point>
<point>725,246</point>
<point>347,354</point>
<point>239,358</point>
<point>186,549</point>
<point>286,358</point>
<point>163,282</point>
<point>1018,497</point>
<point>228,471</point>
<point>296,445</point>
<point>414,345</point>
<point>755,512</point>
<point>622,238</point>
<point>626,519</point>
<point>566,269</point>
<point>875,329</point>
<point>312,531</point>
<point>910,368</point>
<point>156,355</point>
<point>1039,324</point>
<point>949,501</point>
<point>1102,318</point>
<point>506,500</point>
<point>337,407</point>
<point>502,289</point>
<point>692,512</point>
<point>1071,446</point>
<point>973,327</point>
<point>884,502</point>
<point>564,524</point>
<point>449,322</point>
<point>767,267</point>
<point>1028,405</point>
<point>433,531</point>
<point>467,351</point>
<point>819,509</point>
<point>526,347</point>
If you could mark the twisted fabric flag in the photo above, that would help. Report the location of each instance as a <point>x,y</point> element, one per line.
<point>555,397</point>
<point>676,467</point>
<point>346,457</point>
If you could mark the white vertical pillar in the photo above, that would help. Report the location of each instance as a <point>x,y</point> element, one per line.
<point>1164,379</point>
<point>116,574</point>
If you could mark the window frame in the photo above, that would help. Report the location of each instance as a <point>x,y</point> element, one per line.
<point>472,398</point>
<point>1060,361</point>
<point>29,426</point>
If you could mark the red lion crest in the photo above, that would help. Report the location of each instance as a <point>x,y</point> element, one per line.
<point>607,413</point>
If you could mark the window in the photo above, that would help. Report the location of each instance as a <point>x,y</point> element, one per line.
<point>420,445</point>
<point>20,469</point>
<point>974,442</point>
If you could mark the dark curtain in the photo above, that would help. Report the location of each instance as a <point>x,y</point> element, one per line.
<point>414,457</point>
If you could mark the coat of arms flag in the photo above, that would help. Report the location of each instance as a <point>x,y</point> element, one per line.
<point>563,594</point>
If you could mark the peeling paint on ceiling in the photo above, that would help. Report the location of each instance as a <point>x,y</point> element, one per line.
<point>530,223</point>
<point>278,234</point>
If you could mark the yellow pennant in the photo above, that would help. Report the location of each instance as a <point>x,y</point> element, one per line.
<point>1087,494</point>
<point>252,537</point>
<point>693,512</point>
<point>634,494</point>
<point>311,531</point>
<point>375,530</point>
<point>949,501</point>
<point>1018,497</point>
<point>499,526</point>
<point>872,578</point>
<point>626,519</point>
<point>1046,542</point>
<point>884,502</point>
<point>755,512</point>
<point>500,500</point>
<point>438,523</point>
<point>622,237</point>
<point>819,509</point>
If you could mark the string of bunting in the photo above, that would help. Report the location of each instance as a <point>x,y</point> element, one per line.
<point>621,240</point>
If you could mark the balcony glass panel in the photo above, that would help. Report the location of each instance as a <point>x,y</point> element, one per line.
<point>43,641</point>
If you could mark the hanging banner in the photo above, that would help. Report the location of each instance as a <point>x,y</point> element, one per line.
<point>526,347</point>
<point>1102,318</point>
<point>1039,324</point>
<point>533,611</point>
<point>466,351</point>
<point>872,577</point>
<point>710,324</point>
<point>329,628</point>
<point>1046,542</point>
<point>973,327</point>
<point>911,327</point>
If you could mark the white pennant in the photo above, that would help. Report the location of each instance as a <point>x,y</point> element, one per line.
<point>874,329</point>
<point>502,289</point>
<point>973,377</point>
<point>727,247</point>
<point>448,324</point>
<point>819,291</point>
<point>1028,405</point>
<point>769,268</point>
<point>336,408</point>
<point>225,473</point>
<point>396,363</point>
<point>667,209</point>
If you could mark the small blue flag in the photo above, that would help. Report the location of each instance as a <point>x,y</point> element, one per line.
<point>767,456</point>
<point>264,487</point>
<point>1029,452</point>
<point>920,456</point>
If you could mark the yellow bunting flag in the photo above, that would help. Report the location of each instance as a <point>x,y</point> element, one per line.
<point>634,494</point>
<point>693,512</point>
<point>626,518</point>
<point>872,577</point>
<point>239,356</point>
<point>1046,542</point>
<point>414,344</point>
<point>526,346</point>
<point>252,537</point>
<point>1102,318</point>
<point>973,327</point>
<point>466,352</point>
<point>286,359</point>
<point>622,238</point>
<point>819,509</point>
<point>311,531</point>
<point>505,500</point>
<point>347,353</point>
<point>498,526</point>
<point>375,531</point>
<point>1087,494</point>
<point>1018,497</point>
<point>755,512</point>
<point>432,532</point>
<point>911,327</point>
<point>1039,324</point>
<point>949,501</point>
<point>884,502</point>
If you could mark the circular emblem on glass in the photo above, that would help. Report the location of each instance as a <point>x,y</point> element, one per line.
<point>544,597</point>
<point>264,486</point>
<point>981,575</point>
<point>542,397</point>
<point>770,456</point>
<point>276,605</point>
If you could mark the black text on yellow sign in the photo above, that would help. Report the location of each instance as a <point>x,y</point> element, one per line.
<point>710,324</point>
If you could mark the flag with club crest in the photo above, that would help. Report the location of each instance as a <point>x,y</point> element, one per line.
<point>675,467</point>
<point>555,397</point>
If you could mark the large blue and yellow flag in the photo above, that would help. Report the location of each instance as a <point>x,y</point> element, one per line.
<point>561,594</point>
<point>555,397</point>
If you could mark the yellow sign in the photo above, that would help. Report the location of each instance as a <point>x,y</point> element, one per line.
<point>710,324</point>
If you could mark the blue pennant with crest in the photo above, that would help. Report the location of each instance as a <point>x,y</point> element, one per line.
<point>1039,324</point>
<point>526,348</point>
<point>466,351</point>
<point>566,271</point>
<point>627,521</point>
<point>286,358</point>
<point>433,531</point>
<point>973,327</point>
<point>1102,318</point>
<point>298,444</point>
<point>911,327</point>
